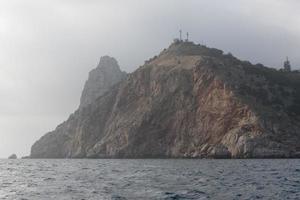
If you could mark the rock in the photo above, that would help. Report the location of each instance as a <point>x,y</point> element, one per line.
<point>189,101</point>
<point>219,151</point>
<point>101,79</point>
<point>25,157</point>
<point>13,156</point>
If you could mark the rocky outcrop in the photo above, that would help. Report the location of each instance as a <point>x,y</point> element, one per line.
<point>189,101</point>
<point>13,156</point>
<point>101,79</point>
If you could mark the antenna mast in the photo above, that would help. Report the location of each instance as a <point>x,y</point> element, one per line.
<point>180,35</point>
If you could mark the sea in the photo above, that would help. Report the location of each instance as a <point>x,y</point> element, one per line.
<point>121,179</point>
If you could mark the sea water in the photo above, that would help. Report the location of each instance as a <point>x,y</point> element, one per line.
<point>150,179</point>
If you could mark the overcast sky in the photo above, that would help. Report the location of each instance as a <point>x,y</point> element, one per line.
<point>47,48</point>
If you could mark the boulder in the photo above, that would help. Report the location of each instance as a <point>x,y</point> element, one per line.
<point>13,156</point>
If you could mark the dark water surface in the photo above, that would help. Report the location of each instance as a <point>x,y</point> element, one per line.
<point>149,179</point>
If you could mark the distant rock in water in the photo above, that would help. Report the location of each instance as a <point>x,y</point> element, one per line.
<point>13,156</point>
<point>189,101</point>
<point>101,79</point>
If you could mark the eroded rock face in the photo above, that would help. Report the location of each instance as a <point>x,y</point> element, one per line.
<point>101,79</point>
<point>190,101</point>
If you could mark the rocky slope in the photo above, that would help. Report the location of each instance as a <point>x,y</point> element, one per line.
<point>101,79</point>
<point>189,101</point>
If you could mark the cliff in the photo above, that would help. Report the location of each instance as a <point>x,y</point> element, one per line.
<point>101,79</point>
<point>189,101</point>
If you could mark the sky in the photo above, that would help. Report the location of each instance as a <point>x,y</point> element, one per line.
<point>47,48</point>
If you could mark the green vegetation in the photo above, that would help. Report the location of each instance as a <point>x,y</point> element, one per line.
<point>290,80</point>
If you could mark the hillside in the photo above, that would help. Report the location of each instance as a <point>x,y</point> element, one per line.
<point>189,101</point>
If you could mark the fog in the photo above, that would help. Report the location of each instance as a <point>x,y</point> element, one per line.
<point>48,47</point>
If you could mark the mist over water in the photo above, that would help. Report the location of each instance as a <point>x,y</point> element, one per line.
<point>150,179</point>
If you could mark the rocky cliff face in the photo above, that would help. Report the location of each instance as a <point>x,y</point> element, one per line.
<point>189,101</point>
<point>101,79</point>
